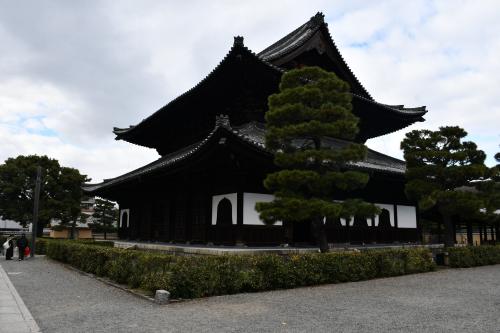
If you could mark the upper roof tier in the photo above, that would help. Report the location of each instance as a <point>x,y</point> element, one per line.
<point>312,45</point>
<point>240,85</point>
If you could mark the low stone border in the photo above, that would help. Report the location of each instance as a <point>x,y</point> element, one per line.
<point>179,249</point>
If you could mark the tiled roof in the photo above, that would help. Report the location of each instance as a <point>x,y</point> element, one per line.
<point>254,134</point>
<point>293,40</point>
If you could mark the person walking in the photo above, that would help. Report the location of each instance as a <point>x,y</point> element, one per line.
<point>9,251</point>
<point>21,244</point>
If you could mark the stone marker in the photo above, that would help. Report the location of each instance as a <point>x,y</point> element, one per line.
<point>162,296</point>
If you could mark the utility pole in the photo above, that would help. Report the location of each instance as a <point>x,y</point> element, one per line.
<point>35,209</point>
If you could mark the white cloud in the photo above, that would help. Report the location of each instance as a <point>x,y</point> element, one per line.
<point>71,71</point>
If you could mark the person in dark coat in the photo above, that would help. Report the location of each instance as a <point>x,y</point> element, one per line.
<point>9,253</point>
<point>21,244</point>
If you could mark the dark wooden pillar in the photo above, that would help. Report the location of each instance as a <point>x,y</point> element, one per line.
<point>439,232</point>
<point>397,234</point>
<point>481,239</point>
<point>165,233</point>
<point>497,231</point>
<point>373,231</point>
<point>135,214</point>
<point>239,218</point>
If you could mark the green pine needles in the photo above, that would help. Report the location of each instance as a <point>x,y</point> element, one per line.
<point>312,108</point>
<point>442,172</point>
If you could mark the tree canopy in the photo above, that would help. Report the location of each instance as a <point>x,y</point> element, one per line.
<point>312,107</point>
<point>441,171</point>
<point>60,193</point>
<point>105,216</point>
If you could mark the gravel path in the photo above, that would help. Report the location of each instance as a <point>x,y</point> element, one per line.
<point>458,300</point>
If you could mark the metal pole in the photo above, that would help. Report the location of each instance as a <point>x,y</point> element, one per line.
<point>35,209</point>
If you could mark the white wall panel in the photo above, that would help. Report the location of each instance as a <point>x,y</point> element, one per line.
<point>407,217</point>
<point>250,215</point>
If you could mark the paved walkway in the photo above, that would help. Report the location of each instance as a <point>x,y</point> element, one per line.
<point>14,315</point>
<point>454,300</point>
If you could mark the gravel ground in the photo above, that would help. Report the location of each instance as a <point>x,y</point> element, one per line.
<point>458,300</point>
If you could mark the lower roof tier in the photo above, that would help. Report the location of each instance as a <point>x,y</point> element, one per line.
<point>251,136</point>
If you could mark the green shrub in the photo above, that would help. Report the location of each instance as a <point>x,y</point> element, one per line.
<point>41,246</point>
<point>199,276</point>
<point>471,256</point>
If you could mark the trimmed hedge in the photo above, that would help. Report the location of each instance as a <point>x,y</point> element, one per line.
<point>41,243</point>
<point>471,256</point>
<point>199,276</point>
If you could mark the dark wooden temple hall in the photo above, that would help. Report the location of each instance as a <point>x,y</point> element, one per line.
<point>204,187</point>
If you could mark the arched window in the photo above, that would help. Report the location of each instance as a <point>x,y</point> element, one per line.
<point>124,218</point>
<point>360,222</point>
<point>224,212</point>
<point>384,219</point>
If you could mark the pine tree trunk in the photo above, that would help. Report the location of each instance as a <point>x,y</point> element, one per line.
<point>39,228</point>
<point>439,232</point>
<point>73,226</point>
<point>449,237</point>
<point>497,230</point>
<point>470,240</point>
<point>320,234</point>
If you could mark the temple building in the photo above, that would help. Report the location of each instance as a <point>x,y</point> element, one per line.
<point>204,187</point>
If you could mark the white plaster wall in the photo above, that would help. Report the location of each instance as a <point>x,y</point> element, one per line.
<point>123,211</point>
<point>390,208</point>
<point>215,201</point>
<point>407,217</point>
<point>344,222</point>
<point>250,215</point>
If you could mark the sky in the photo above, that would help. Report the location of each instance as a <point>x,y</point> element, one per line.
<point>70,71</point>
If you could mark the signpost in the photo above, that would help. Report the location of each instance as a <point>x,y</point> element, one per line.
<point>35,209</point>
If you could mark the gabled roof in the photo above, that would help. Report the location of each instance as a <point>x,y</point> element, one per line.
<point>252,134</point>
<point>303,35</point>
<point>315,34</point>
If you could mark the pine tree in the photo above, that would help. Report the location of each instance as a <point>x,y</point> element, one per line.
<point>105,216</point>
<point>441,171</point>
<point>311,106</point>
<point>490,193</point>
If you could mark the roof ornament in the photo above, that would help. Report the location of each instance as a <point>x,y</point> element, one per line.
<point>238,41</point>
<point>222,121</point>
<point>317,19</point>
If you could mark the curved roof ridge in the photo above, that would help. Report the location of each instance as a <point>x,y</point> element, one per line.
<point>237,44</point>
<point>417,111</point>
<point>313,25</point>
<point>330,39</point>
